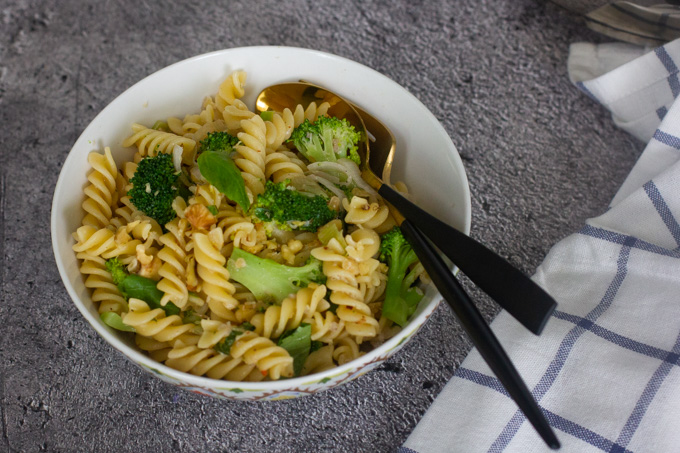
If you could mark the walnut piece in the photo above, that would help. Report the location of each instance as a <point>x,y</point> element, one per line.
<point>199,217</point>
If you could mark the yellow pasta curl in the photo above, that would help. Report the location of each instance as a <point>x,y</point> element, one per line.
<point>279,318</point>
<point>368,215</point>
<point>189,358</point>
<point>150,142</point>
<point>154,323</point>
<point>101,194</point>
<point>251,155</point>
<point>173,269</point>
<point>231,89</point>
<point>268,357</point>
<point>98,279</point>
<point>210,268</point>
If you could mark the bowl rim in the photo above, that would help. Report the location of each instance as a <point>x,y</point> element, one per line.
<point>283,384</point>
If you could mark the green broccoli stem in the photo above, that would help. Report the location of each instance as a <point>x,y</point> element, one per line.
<point>401,299</point>
<point>132,285</point>
<point>145,289</point>
<point>269,281</point>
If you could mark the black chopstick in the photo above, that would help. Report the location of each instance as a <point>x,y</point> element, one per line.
<point>479,331</point>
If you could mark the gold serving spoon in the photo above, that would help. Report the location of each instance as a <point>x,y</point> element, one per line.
<point>530,304</point>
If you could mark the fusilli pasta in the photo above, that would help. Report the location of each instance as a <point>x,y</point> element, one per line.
<point>192,314</point>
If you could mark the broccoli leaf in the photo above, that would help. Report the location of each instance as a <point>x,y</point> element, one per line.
<point>114,320</point>
<point>298,343</point>
<point>145,289</point>
<point>190,317</point>
<point>247,326</point>
<point>221,171</point>
<point>225,345</point>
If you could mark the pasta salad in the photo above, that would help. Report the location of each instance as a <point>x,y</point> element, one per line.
<point>245,246</point>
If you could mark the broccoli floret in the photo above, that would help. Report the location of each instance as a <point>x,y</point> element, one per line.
<point>327,140</point>
<point>133,285</point>
<point>154,187</point>
<point>401,297</point>
<point>218,141</point>
<point>117,271</point>
<point>269,281</point>
<point>290,209</point>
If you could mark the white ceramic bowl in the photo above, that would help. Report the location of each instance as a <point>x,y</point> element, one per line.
<point>426,160</point>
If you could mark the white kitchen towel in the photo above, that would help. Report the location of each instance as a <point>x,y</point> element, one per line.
<point>606,369</point>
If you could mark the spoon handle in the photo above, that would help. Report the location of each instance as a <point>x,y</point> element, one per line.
<point>479,331</point>
<point>530,304</point>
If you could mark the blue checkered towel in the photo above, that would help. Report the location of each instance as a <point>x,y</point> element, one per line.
<point>606,370</point>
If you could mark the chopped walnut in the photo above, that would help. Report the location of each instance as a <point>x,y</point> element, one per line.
<point>149,264</point>
<point>288,251</point>
<point>200,217</point>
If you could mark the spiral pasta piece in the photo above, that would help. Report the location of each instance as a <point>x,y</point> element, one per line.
<point>173,269</point>
<point>251,154</point>
<point>268,357</point>
<point>279,318</point>
<point>98,279</point>
<point>374,215</point>
<point>101,194</point>
<point>210,268</point>
<point>319,360</point>
<point>193,123</point>
<point>282,164</point>
<point>279,129</point>
<point>102,242</point>
<point>235,113</point>
<point>346,350</point>
<point>326,326</point>
<point>231,89</point>
<point>150,142</point>
<point>154,323</point>
<point>311,113</point>
<point>189,358</point>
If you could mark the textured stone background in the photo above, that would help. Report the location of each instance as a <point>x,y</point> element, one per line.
<point>540,157</point>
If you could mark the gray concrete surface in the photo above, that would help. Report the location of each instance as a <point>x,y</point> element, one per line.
<point>540,156</point>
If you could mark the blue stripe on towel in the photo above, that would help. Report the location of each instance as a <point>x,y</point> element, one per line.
<point>661,112</point>
<point>667,139</point>
<point>566,347</point>
<point>647,396</point>
<point>663,210</point>
<point>555,420</point>
<point>620,340</point>
<point>672,69</point>
<point>618,238</point>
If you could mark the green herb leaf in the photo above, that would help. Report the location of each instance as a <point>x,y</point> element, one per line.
<point>145,289</point>
<point>248,326</point>
<point>114,320</point>
<point>220,171</point>
<point>190,317</point>
<point>213,209</point>
<point>316,345</point>
<point>298,343</point>
<point>225,345</point>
